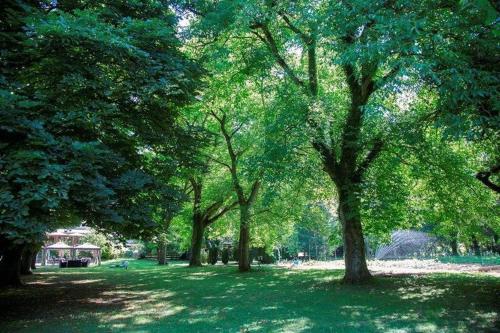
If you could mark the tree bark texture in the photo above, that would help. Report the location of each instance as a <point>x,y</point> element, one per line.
<point>356,269</point>
<point>244,243</point>
<point>10,266</point>
<point>162,253</point>
<point>26,259</point>
<point>196,242</point>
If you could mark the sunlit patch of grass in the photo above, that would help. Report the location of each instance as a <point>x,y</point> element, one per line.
<point>175,298</point>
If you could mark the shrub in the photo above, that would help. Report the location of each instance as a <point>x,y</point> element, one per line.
<point>236,254</point>
<point>268,258</point>
<point>225,256</point>
<point>213,255</point>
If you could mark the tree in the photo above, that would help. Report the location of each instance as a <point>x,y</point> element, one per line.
<point>346,59</point>
<point>245,200</point>
<point>86,91</point>
<point>204,216</point>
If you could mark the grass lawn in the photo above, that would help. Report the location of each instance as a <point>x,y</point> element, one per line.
<point>174,298</point>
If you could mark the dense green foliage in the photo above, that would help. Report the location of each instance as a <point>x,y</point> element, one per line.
<point>272,125</point>
<point>89,100</point>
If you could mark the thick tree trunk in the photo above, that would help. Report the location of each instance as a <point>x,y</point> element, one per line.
<point>356,269</point>
<point>10,266</point>
<point>196,242</point>
<point>244,243</point>
<point>26,259</point>
<point>162,253</point>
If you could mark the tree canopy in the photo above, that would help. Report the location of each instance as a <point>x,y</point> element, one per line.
<point>358,117</point>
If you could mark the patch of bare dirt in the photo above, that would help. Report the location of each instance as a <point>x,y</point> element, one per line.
<point>402,267</point>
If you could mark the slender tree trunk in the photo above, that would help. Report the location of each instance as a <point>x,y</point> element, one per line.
<point>244,243</point>
<point>26,260</point>
<point>475,247</point>
<point>196,242</point>
<point>162,253</point>
<point>10,266</point>
<point>33,260</point>
<point>496,246</point>
<point>356,270</point>
<point>454,247</point>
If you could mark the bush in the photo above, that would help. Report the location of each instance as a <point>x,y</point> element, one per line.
<point>213,255</point>
<point>268,259</point>
<point>225,256</point>
<point>236,254</point>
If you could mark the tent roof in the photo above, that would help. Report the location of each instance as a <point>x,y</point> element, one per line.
<point>59,246</point>
<point>87,246</point>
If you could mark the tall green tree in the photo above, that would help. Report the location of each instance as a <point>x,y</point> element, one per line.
<point>205,212</point>
<point>345,58</point>
<point>88,93</point>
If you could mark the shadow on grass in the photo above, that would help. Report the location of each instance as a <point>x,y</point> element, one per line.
<point>174,298</point>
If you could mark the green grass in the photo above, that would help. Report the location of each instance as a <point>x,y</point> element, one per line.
<point>483,260</point>
<point>174,298</point>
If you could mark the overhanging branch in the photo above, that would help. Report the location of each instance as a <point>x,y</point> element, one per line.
<point>484,177</point>
<point>217,216</point>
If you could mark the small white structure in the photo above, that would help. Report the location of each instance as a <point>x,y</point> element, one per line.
<point>61,247</point>
<point>92,248</point>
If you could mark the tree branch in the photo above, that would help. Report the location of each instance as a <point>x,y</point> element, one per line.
<point>305,38</point>
<point>232,155</point>
<point>219,162</point>
<point>236,129</point>
<point>370,157</point>
<point>221,213</point>
<point>484,177</point>
<point>212,208</point>
<point>271,44</point>
<point>253,192</point>
<point>329,159</point>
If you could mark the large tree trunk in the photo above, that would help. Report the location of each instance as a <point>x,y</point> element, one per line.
<point>196,242</point>
<point>10,266</point>
<point>26,259</point>
<point>356,270</point>
<point>244,243</point>
<point>162,253</point>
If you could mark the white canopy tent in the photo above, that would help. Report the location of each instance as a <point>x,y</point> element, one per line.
<point>60,246</point>
<point>92,248</point>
